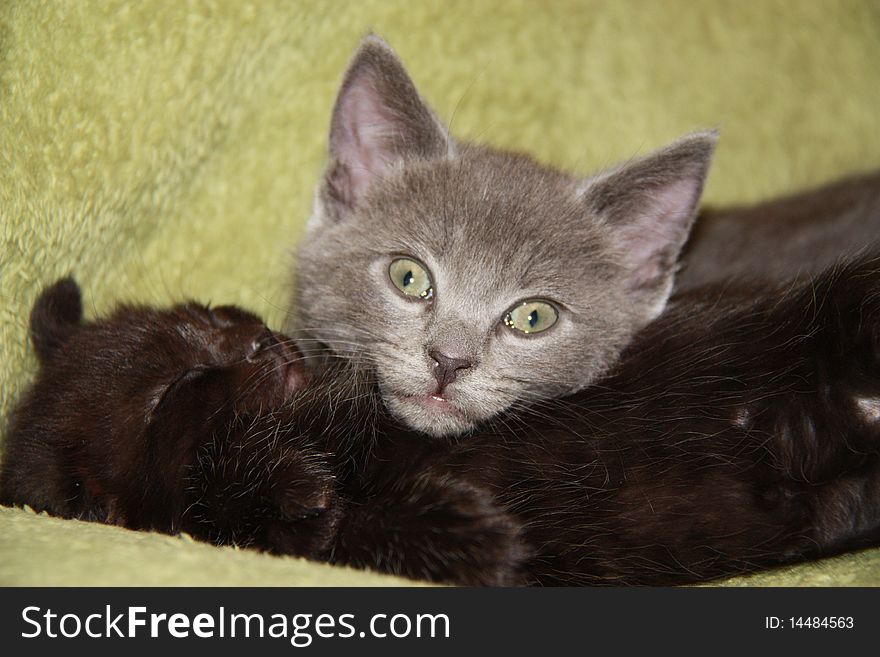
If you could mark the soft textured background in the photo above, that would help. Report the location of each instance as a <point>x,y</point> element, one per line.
<point>160,150</point>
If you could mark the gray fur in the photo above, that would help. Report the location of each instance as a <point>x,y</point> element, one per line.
<point>493,229</point>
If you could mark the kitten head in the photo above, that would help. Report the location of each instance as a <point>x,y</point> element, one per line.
<point>142,358</point>
<point>474,279</point>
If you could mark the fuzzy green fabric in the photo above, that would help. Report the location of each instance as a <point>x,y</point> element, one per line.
<point>162,150</point>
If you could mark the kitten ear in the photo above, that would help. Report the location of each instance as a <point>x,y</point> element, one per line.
<point>55,315</point>
<point>379,120</point>
<point>650,205</point>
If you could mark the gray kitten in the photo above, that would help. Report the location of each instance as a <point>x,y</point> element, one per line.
<point>474,279</point>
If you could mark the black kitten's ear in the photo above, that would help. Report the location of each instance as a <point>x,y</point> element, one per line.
<point>56,313</point>
<point>650,205</point>
<point>379,120</point>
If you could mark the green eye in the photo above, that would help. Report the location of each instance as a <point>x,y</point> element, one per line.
<point>531,317</point>
<point>411,278</point>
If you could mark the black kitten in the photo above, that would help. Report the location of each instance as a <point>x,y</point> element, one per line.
<point>735,435</point>
<point>147,419</point>
<point>778,240</point>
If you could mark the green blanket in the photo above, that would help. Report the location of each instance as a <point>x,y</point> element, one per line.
<point>162,150</point>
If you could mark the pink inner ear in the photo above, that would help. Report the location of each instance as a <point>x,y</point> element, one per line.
<point>652,238</point>
<point>363,123</point>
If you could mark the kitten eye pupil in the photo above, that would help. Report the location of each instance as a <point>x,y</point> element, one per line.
<point>407,279</point>
<point>533,318</point>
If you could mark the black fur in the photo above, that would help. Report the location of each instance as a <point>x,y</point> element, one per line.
<point>151,419</point>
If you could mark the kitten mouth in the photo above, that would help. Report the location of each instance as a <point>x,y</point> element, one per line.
<point>434,413</point>
<point>435,402</point>
<point>438,401</point>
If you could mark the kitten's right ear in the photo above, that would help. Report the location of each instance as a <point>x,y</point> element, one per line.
<point>56,314</point>
<point>378,122</point>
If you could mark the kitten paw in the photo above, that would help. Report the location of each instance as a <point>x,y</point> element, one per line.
<point>304,507</point>
<point>435,528</point>
<point>265,494</point>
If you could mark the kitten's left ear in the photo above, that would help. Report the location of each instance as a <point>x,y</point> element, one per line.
<point>56,314</point>
<point>378,122</point>
<point>650,205</point>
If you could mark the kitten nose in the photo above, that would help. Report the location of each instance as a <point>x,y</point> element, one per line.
<point>446,368</point>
